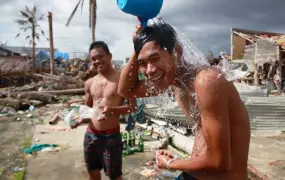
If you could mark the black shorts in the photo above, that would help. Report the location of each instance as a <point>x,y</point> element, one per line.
<point>185,176</point>
<point>104,152</point>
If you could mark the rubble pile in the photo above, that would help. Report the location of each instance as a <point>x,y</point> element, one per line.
<point>45,89</point>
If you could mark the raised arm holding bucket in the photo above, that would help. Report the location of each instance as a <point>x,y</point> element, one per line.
<point>144,9</point>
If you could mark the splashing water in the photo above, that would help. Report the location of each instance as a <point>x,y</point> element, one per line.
<point>191,61</point>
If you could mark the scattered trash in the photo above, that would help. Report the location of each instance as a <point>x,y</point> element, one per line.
<point>29,115</point>
<point>16,169</point>
<point>37,147</point>
<point>51,149</point>
<point>31,108</point>
<point>7,111</point>
<point>54,119</point>
<point>20,112</point>
<point>37,140</point>
<point>148,172</point>
<point>277,163</point>
<point>56,128</point>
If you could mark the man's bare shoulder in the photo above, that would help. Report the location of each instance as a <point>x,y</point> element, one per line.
<point>89,82</point>
<point>210,78</point>
<point>212,82</point>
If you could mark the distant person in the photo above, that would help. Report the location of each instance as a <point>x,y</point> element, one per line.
<point>222,130</point>
<point>103,143</point>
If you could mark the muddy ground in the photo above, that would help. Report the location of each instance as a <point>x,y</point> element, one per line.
<point>14,135</point>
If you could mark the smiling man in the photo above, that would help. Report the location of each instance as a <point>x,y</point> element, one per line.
<point>103,143</point>
<point>222,131</point>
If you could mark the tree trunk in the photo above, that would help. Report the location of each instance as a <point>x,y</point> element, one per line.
<point>51,43</point>
<point>38,96</point>
<point>79,91</point>
<point>256,78</point>
<point>93,18</point>
<point>14,103</point>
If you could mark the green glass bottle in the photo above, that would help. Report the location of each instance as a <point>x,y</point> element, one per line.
<point>131,140</point>
<point>141,144</point>
<point>134,138</point>
<point>124,139</point>
<point>125,153</point>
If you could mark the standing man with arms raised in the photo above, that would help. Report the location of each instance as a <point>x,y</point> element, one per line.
<point>103,143</point>
<point>222,131</point>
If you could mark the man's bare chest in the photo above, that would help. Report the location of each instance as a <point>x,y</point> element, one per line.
<point>104,90</point>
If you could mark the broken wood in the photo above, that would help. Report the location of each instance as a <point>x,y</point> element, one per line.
<point>66,92</point>
<point>29,88</point>
<point>48,77</point>
<point>253,173</point>
<point>244,36</point>
<point>51,75</point>
<point>14,103</point>
<point>3,94</point>
<point>75,101</point>
<point>39,96</point>
<point>54,119</point>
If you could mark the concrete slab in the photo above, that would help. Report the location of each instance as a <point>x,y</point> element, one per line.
<point>264,151</point>
<point>69,162</point>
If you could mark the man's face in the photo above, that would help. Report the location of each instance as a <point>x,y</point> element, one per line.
<point>157,65</point>
<point>100,60</point>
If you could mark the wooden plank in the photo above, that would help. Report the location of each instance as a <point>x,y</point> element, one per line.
<point>243,36</point>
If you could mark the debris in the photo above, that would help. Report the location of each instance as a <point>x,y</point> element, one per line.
<point>31,108</point>
<point>37,147</point>
<point>51,149</point>
<point>14,103</point>
<point>7,111</point>
<point>16,169</point>
<point>277,163</point>
<point>254,173</point>
<point>148,172</point>
<point>59,128</point>
<point>54,119</point>
<point>39,96</point>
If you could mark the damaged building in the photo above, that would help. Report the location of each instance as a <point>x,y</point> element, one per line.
<point>264,54</point>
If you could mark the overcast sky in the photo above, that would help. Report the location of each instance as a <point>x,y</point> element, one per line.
<point>207,23</point>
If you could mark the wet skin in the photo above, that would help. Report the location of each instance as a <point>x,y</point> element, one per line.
<point>222,135</point>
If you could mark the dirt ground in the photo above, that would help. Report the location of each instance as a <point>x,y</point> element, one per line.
<point>14,135</point>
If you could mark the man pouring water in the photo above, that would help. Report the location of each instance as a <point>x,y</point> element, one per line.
<point>222,130</point>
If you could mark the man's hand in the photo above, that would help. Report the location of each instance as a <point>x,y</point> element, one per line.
<point>105,112</point>
<point>138,29</point>
<point>162,157</point>
<point>78,123</point>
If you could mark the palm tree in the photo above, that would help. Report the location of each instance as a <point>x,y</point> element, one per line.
<point>29,22</point>
<point>92,15</point>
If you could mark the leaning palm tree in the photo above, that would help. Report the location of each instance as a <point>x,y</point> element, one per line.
<point>92,15</point>
<point>29,22</point>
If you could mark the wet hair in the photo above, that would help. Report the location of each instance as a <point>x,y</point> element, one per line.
<point>99,44</point>
<point>163,35</point>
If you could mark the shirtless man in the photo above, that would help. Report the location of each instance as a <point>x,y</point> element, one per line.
<point>222,133</point>
<point>103,143</point>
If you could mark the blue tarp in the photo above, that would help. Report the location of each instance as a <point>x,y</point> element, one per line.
<point>61,55</point>
<point>43,55</point>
